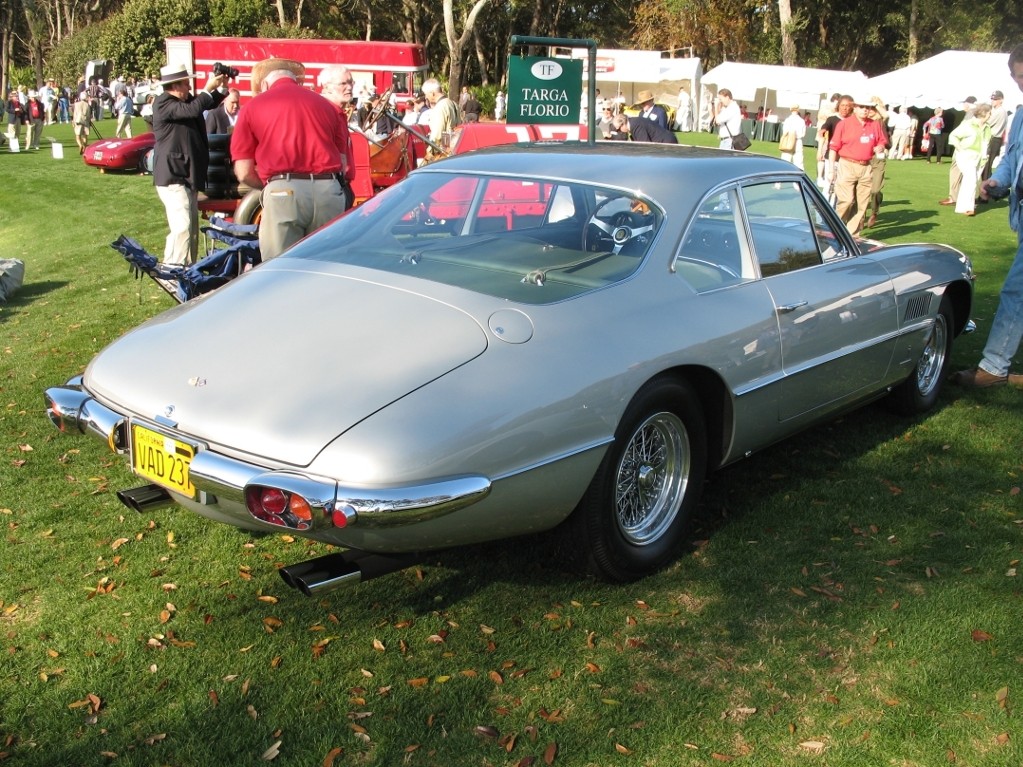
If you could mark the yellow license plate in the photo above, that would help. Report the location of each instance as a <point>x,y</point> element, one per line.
<point>161,459</point>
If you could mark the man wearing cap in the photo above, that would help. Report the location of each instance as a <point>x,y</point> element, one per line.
<point>997,122</point>
<point>182,155</point>
<point>292,143</point>
<point>651,111</point>
<point>1007,328</point>
<point>444,117</point>
<point>856,140</point>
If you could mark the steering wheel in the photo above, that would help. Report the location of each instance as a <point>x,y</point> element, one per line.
<point>612,230</point>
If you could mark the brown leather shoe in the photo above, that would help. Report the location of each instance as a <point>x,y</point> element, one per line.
<point>977,378</point>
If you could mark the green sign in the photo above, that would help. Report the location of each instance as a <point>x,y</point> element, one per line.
<point>544,90</point>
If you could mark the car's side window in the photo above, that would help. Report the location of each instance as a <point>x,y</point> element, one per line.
<point>783,238</point>
<point>828,242</point>
<point>714,252</point>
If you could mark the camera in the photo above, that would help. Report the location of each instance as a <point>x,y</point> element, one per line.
<point>223,69</point>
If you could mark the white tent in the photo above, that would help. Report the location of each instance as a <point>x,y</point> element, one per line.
<point>630,72</point>
<point>771,86</point>
<point>946,79</point>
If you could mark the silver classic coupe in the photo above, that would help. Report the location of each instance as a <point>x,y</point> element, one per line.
<point>518,339</point>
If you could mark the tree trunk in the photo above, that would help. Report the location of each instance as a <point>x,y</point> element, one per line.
<point>457,43</point>
<point>788,42</point>
<point>914,39</point>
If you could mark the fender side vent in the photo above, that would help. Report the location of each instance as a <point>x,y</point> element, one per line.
<point>917,307</point>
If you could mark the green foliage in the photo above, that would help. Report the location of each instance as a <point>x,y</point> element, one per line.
<point>134,38</point>
<point>289,31</point>
<point>22,76</point>
<point>66,61</point>
<point>238,18</point>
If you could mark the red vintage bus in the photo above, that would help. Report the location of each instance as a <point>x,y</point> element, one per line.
<point>377,65</point>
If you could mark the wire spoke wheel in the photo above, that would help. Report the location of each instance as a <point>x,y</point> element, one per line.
<point>932,361</point>
<point>652,478</point>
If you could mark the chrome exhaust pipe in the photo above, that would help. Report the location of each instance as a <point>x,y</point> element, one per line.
<point>332,571</point>
<point>145,498</point>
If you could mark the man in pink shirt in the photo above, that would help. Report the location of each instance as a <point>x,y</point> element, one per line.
<point>854,143</point>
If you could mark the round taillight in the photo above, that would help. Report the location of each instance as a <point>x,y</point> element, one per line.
<point>273,501</point>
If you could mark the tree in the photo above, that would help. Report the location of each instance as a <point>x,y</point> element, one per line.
<point>134,37</point>
<point>457,44</point>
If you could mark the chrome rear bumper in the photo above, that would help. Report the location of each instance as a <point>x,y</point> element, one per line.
<point>220,478</point>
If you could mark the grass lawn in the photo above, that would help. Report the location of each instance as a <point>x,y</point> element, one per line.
<point>849,597</point>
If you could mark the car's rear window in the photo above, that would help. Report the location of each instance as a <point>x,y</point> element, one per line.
<point>529,240</point>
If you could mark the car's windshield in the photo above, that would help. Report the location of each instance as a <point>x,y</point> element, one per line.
<point>528,240</point>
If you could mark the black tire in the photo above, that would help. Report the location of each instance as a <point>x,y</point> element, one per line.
<point>218,158</point>
<point>919,392</point>
<point>216,191</point>
<point>219,141</point>
<point>146,161</point>
<point>250,208</point>
<point>218,174</point>
<point>634,514</point>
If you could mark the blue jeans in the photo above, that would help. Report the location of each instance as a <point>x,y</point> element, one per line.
<point>1007,329</point>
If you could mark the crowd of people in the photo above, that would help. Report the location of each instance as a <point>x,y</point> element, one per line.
<point>29,110</point>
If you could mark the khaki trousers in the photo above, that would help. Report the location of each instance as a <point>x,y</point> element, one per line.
<point>294,208</point>
<point>853,189</point>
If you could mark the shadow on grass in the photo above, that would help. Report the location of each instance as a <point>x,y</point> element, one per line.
<point>26,294</point>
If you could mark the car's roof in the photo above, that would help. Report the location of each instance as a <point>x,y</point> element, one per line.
<point>663,171</point>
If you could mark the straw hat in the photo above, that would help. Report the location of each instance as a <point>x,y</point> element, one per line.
<point>644,96</point>
<point>262,68</point>
<point>173,73</point>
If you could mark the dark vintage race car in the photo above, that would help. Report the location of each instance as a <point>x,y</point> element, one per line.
<point>517,339</point>
<point>130,154</point>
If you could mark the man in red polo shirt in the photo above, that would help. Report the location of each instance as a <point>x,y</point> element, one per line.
<point>855,141</point>
<point>291,142</point>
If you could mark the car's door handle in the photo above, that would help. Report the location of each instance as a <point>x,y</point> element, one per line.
<point>791,307</point>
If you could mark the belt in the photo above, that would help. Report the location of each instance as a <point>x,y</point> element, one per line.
<point>303,176</point>
<point>846,159</point>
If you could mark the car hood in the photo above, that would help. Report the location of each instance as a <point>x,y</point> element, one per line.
<point>284,359</point>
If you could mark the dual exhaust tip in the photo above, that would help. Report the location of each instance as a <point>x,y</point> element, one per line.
<point>312,577</point>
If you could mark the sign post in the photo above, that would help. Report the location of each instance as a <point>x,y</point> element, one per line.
<point>548,90</point>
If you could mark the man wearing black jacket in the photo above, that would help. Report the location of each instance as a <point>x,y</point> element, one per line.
<point>182,156</point>
<point>222,119</point>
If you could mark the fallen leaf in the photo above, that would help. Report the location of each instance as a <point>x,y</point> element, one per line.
<point>486,731</point>
<point>420,681</point>
<point>721,757</point>
<point>273,752</point>
<point>1002,697</point>
<point>813,746</point>
<point>550,754</point>
<point>119,543</point>
<point>980,636</point>
<point>622,749</point>
<point>334,753</point>
<point>268,599</point>
<point>496,677</point>
<point>1002,738</point>
<point>378,645</point>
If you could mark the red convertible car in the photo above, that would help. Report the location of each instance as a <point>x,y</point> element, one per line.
<point>131,154</point>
